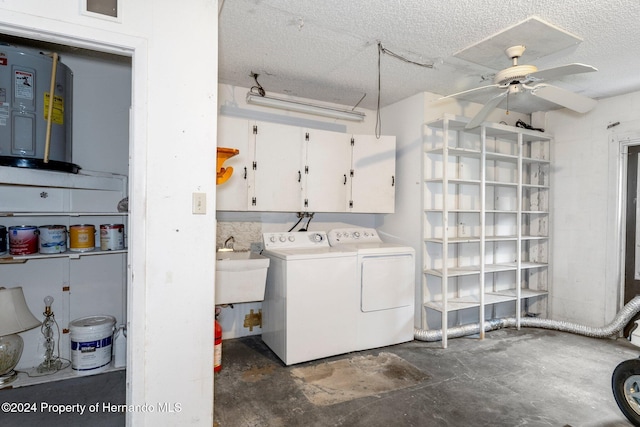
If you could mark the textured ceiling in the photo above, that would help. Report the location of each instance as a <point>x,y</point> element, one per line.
<point>328,50</point>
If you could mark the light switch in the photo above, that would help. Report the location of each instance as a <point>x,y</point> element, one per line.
<point>199,201</point>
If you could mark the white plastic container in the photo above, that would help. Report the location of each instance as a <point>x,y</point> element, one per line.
<point>120,347</point>
<point>91,343</point>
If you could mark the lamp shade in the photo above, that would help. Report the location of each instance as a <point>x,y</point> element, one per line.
<point>15,316</point>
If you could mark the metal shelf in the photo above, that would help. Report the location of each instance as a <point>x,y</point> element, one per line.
<point>20,259</point>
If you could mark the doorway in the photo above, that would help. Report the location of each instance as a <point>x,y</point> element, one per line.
<point>632,231</point>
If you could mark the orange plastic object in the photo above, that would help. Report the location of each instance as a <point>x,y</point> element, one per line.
<point>223,174</point>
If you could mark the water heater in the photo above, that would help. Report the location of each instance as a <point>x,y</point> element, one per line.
<point>25,86</point>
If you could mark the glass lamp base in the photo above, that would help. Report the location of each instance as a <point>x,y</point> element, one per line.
<point>8,378</point>
<point>10,352</point>
<point>49,366</point>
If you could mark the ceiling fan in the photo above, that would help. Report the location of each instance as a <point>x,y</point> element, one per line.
<point>527,78</point>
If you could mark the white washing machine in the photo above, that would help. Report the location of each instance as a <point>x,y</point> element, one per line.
<point>385,277</point>
<point>307,312</point>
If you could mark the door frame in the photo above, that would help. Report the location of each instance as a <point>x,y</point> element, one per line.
<point>135,47</point>
<point>619,142</point>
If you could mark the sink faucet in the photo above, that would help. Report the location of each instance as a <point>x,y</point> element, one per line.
<point>228,244</point>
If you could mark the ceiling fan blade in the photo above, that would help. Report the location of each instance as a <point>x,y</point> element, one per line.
<point>486,110</point>
<point>563,97</point>
<point>464,92</point>
<point>563,70</point>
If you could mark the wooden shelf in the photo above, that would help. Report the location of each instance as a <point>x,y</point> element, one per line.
<point>31,376</point>
<point>87,180</point>
<point>20,259</point>
<point>62,214</point>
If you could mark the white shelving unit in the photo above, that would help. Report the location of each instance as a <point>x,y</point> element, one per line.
<point>486,223</point>
<point>81,282</point>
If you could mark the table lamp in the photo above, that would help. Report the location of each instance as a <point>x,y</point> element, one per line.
<point>15,317</point>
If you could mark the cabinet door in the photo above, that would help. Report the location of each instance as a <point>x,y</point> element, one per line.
<point>374,166</point>
<point>276,176</point>
<point>328,161</point>
<point>232,195</point>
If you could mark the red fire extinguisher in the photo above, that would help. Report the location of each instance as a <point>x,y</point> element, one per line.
<point>217,348</point>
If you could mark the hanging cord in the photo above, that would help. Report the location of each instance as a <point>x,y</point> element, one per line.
<point>310,215</point>
<point>402,58</point>
<point>257,89</point>
<point>381,50</point>
<point>300,216</point>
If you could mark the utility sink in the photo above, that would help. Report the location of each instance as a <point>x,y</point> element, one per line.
<point>241,276</point>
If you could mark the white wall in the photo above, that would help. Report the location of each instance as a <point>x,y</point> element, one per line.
<point>101,99</point>
<point>586,283</point>
<point>173,133</point>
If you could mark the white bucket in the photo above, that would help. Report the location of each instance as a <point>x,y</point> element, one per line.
<point>91,343</point>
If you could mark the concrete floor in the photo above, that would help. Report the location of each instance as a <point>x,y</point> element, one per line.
<point>97,389</point>
<point>511,378</point>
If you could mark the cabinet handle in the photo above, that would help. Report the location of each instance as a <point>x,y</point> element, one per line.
<point>393,180</point>
<point>299,176</point>
<point>345,179</point>
<point>245,172</point>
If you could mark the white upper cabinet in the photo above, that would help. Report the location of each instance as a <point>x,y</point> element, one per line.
<point>275,183</point>
<point>373,174</point>
<point>283,168</point>
<point>233,194</point>
<point>327,169</point>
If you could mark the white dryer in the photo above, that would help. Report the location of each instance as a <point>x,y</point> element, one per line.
<point>385,275</point>
<point>307,312</point>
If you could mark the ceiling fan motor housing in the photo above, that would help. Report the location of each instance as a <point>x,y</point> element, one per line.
<point>517,73</point>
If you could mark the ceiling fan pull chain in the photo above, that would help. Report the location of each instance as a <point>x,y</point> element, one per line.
<point>507,113</point>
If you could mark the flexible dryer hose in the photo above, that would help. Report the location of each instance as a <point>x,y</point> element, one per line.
<point>621,319</point>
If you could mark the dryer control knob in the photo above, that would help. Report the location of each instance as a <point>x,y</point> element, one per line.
<point>283,239</point>
<point>273,239</point>
<point>356,234</point>
<point>292,238</point>
<point>317,237</point>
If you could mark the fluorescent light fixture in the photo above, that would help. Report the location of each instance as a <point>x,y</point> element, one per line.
<point>303,107</point>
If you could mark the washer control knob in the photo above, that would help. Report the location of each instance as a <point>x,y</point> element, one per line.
<point>283,239</point>
<point>356,234</point>
<point>317,237</point>
<point>273,239</point>
<point>292,238</point>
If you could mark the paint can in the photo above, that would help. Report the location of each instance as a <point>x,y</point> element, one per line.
<point>53,239</point>
<point>3,240</point>
<point>82,237</point>
<point>112,237</point>
<point>91,343</point>
<point>23,239</point>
